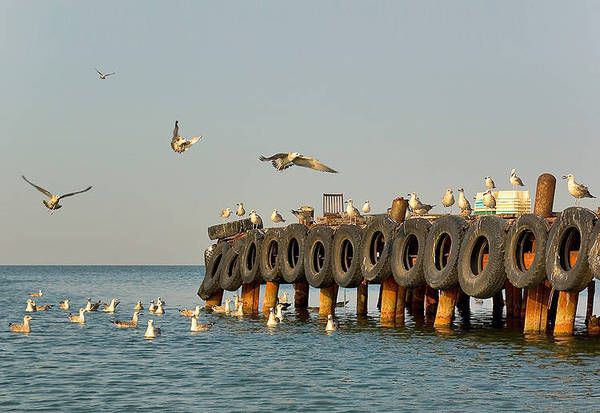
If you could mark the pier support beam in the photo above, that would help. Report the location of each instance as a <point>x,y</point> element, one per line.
<point>497,307</point>
<point>271,293</point>
<point>418,302</point>
<point>328,300</point>
<point>362,299</point>
<point>214,300</point>
<point>431,303</point>
<point>445,309</point>
<point>565,313</point>
<point>536,312</point>
<point>250,297</point>
<point>589,310</point>
<point>301,295</point>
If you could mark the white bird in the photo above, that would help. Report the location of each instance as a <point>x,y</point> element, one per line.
<point>352,211</point>
<point>255,219</point>
<point>79,319</point>
<point>488,199</point>
<point>110,308</point>
<point>160,309</point>
<point>330,327</point>
<point>414,202</point>
<point>39,293</point>
<point>448,199</point>
<point>463,203</point>
<point>276,217</point>
<point>197,327</point>
<point>239,309</point>
<point>129,323</point>
<point>180,144</point>
<point>279,313</point>
<point>366,208</point>
<point>240,211</point>
<point>222,309</point>
<point>272,321</point>
<point>53,202</point>
<point>31,306</point>
<point>514,179</point>
<point>577,190</point>
<point>489,183</point>
<point>190,313</point>
<point>283,161</point>
<point>21,328</point>
<point>225,213</point>
<point>151,330</point>
<point>90,307</point>
<point>139,306</point>
<point>65,304</point>
<point>283,299</point>
<point>152,307</point>
<point>104,76</point>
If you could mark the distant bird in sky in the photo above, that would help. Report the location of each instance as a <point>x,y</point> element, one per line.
<point>180,144</point>
<point>283,161</point>
<point>463,203</point>
<point>577,190</point>
<point>240,211</point>
<point>489,200</point>
<point>448,198</point>
<point>52,204</point>
<point>489,183</point>
<point>515,180</point>
<point>276,217</point>
<point>225,213</point>
<point>366,208</point>
<point>104,76</point>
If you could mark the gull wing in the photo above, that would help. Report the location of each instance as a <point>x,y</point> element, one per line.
<point>110,74</point>
<point>273,157</point>
<point>194,140</point>
<point>313,164</point>
<point>99,72</point>
<point>39,188</point>
<point>75,193</point>
<point>176,130</point>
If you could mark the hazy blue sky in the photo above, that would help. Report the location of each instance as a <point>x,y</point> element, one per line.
<point>398,96</point>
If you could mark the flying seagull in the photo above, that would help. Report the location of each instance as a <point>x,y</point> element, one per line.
<point>577,190</point>
<point>104,76</point>
<point>283,161</point>
<point>181,144</point>
<point>52,204</point>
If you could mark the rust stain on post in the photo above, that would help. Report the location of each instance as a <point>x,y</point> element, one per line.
<point>362,298</point>
<point>431,303</point>
<point>565,313</point>
<point>250,294</point>
<point>301,295</point>
<point>328,300</point>
<point>271,293</point>
<point>215,299</point>
<point>445,308</point>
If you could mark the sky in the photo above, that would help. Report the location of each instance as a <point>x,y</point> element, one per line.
<point>398,96</point>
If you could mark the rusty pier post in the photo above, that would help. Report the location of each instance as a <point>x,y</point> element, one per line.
<point>589,310</point>
<point>215,299</point>
<point>536,311</point>
<point>301,289</point>
<point>271,293</point>
<point>250,297</point>
<point>431,303</point>
<point>328,300</point>
<point>445,308</point>
<point>362,298</point>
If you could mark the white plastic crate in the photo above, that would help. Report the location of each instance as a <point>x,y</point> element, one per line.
<point>507,202</point>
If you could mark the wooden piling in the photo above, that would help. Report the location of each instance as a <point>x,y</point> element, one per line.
<point>214,300</point>
<point>301,295</point>
<point>431,303</point>
<point>565,313</point>
<point>497,307</point>
<point>400,307</point>
<point>418,302</point>
<point>362,299</point>
<point>445,308</point>
<point>536,311</point>
<point>328,300</point>
<point>589,310</point>
<point>250,297</point>
<point>271,294</point>
<point>513,301</point>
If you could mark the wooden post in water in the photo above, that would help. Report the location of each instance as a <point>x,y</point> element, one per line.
<point>328,300</point>
<point>566,307</point>
<point>301,289</point>
<point>362,298</point>
<point>390,291</point>
<point>215,299</point>
<point>250,296</point>
<point>497,307</point>
<point>445,307</point>
<point>431,303</point>
<point>589,310</point>
<point>271,293</point>
<point>536,311</point>
<point>418,302</point>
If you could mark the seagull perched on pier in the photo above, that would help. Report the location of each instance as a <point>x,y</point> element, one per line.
<point>463,203</point>
<point>255,219</point>
<point>104,76</point>
<point>53,203</point>
<point>489,183</point>
<point>180,144</point>
<point>448,199</point>
<point>283,161</point>
<point>416,206</point>
<point>240,211</point>
<point>489,200</point>
<point>515,180</point>
<point>366,208</point>
<point>225,213</point>
<point>577,190</point>
<point>351,211</point>
<point>276,217</point>
<point>304,214</point>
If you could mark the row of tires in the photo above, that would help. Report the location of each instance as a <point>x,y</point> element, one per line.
<point>478,255</point>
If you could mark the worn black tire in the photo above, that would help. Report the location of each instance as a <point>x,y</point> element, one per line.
<point>445,231</point>
<point>486,235</point>
<point>595,251</point>
<point>375,249</point>
<point>345,260</point>
<point>318,253</point>
<point>230,276</point>
<point>292,253</point>
<point>212,282</point>
<point>230,229</point>
<point>560,273</point>
<point>410,240</point>
<point>250,257</point>
<point>270,257</point>
<point>522,231</point>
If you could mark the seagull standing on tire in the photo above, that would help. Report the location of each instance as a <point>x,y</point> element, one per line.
<point>240,211</point>
<point>225,213</point>
<point>282,161</point>
<point>448,199</point>
<point>180,144</point>
<point>276,217</point>
<point>577,190</point>
<point>489,183</point>
<point>514,179</point>
<point>255,219</point>
<point>414,202</point>
<point>366,208</point>
<point>463,203</point>
<point>53,202</point>
<point>351,211</point>
<point>489,200</point>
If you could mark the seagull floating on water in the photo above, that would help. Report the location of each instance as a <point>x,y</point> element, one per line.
<point>21,328</point>
<point>190,313</point>
<point>330,327</point>
<point>272,321</point>
<point>151,330</point>
<point>282,161</point>
<point>197,327</point>
<point>577,190</point>
<point>79,319</point>
<point>180,144</point>
<point>366,208</point>
<point>110,308</point>
<point>90,307</point>
<point>31,307</point>
<point>515,181</point>
<point>39,293</point>
<point>65,304</point>
<point>53,202</point>
<point>276,217</point>
<point>139,306</point>
<point>128,324</point>
<point>44,307</point>
<point>104,76</point>
<point>489,183</point>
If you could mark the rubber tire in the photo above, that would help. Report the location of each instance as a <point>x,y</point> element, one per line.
<point>414,276</point>
<point>230,276</point>
<point>578,277</point>
<point>492,278</point>
<point>379,271</point>
<point>212,282</point>
<point>271,273</point>
<point>447,277</point>
<point>251,274</point>
<point>595,251</point>
<point>537,272</point>
<point>299,233</point>
<point>324,277</point>
<point>353,276</point>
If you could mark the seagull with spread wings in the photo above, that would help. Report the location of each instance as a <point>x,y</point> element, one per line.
<point>180,144</point>
<point>104,76</point>
<point>52,203</point>
<point>283,161</point>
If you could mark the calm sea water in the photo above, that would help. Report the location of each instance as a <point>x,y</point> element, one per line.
<point>242,366</point>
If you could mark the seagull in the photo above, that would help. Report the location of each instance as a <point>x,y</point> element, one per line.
<point>190,313</point>
<point>31,306</point>
<point>463,203</point>
<point>225,213</point>
<point>272,321</point>
<point>351,211</point>
<point>448,199</point>
<point>139,306</point>
<point>180,144</point>
<point>283,161</point>
<point>52,204</point>
<point>79,319</point>
<point>64,304</point>
<point>104,76</point>
<point>110,308</point>
<point>152,307</point>
<point>330,327</point>
<point>240,211</point>
<point>425,208</point>
<point>151,331</point>
<point>488,199</point>
<point>38,294</point>
<point>21,328</point>
<point>160,309</point>
<point>577,190</point>
<point>44,307</point>
<point>89,307</point>
<point>515,180</point>
<point>279,313</point>
<point>255,219</point>
<point>222,309</point>
<point>276,217</point>
<point>414,202</point>
<point>197,327</point>
<point>304,214</point>
<point>366,208</point>
<point>489,183</point>
<point>128,324</point>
